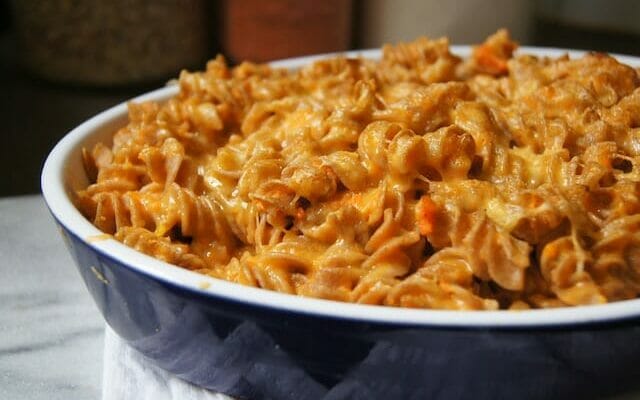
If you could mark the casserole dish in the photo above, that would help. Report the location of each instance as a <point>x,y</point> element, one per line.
<point>257,344</point>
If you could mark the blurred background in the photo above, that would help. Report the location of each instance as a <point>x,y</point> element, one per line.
<point>62,61</point>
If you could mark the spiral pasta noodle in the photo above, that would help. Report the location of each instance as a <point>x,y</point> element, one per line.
<point>423,180</point>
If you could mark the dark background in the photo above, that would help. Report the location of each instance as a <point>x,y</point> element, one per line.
<point>35,114</point>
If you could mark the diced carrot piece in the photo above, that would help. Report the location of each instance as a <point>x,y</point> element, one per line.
<point>426,212</point>
<point>492,56</point>
<point>490,61</point>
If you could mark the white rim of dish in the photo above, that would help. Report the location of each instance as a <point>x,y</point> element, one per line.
<point>61,206</point>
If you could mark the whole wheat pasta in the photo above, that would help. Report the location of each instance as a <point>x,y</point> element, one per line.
<point>419,180</point>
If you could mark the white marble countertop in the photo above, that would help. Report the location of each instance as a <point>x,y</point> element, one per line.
<point>51,333</point>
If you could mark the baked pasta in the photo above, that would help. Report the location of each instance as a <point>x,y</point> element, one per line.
<point>423,180</point>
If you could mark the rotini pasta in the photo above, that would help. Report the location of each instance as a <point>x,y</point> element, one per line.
<point>420,180</point>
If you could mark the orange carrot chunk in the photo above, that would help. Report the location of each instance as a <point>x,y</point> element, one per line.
<point>426,211</point>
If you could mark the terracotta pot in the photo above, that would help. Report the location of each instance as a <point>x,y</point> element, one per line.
<point>260,31</point>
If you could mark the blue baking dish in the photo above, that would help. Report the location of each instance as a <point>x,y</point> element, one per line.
<point>251,343</point>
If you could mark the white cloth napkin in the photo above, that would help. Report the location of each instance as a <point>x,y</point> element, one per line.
<point>129,375</point>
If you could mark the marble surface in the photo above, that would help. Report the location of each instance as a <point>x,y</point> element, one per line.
<point>51,333</point>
